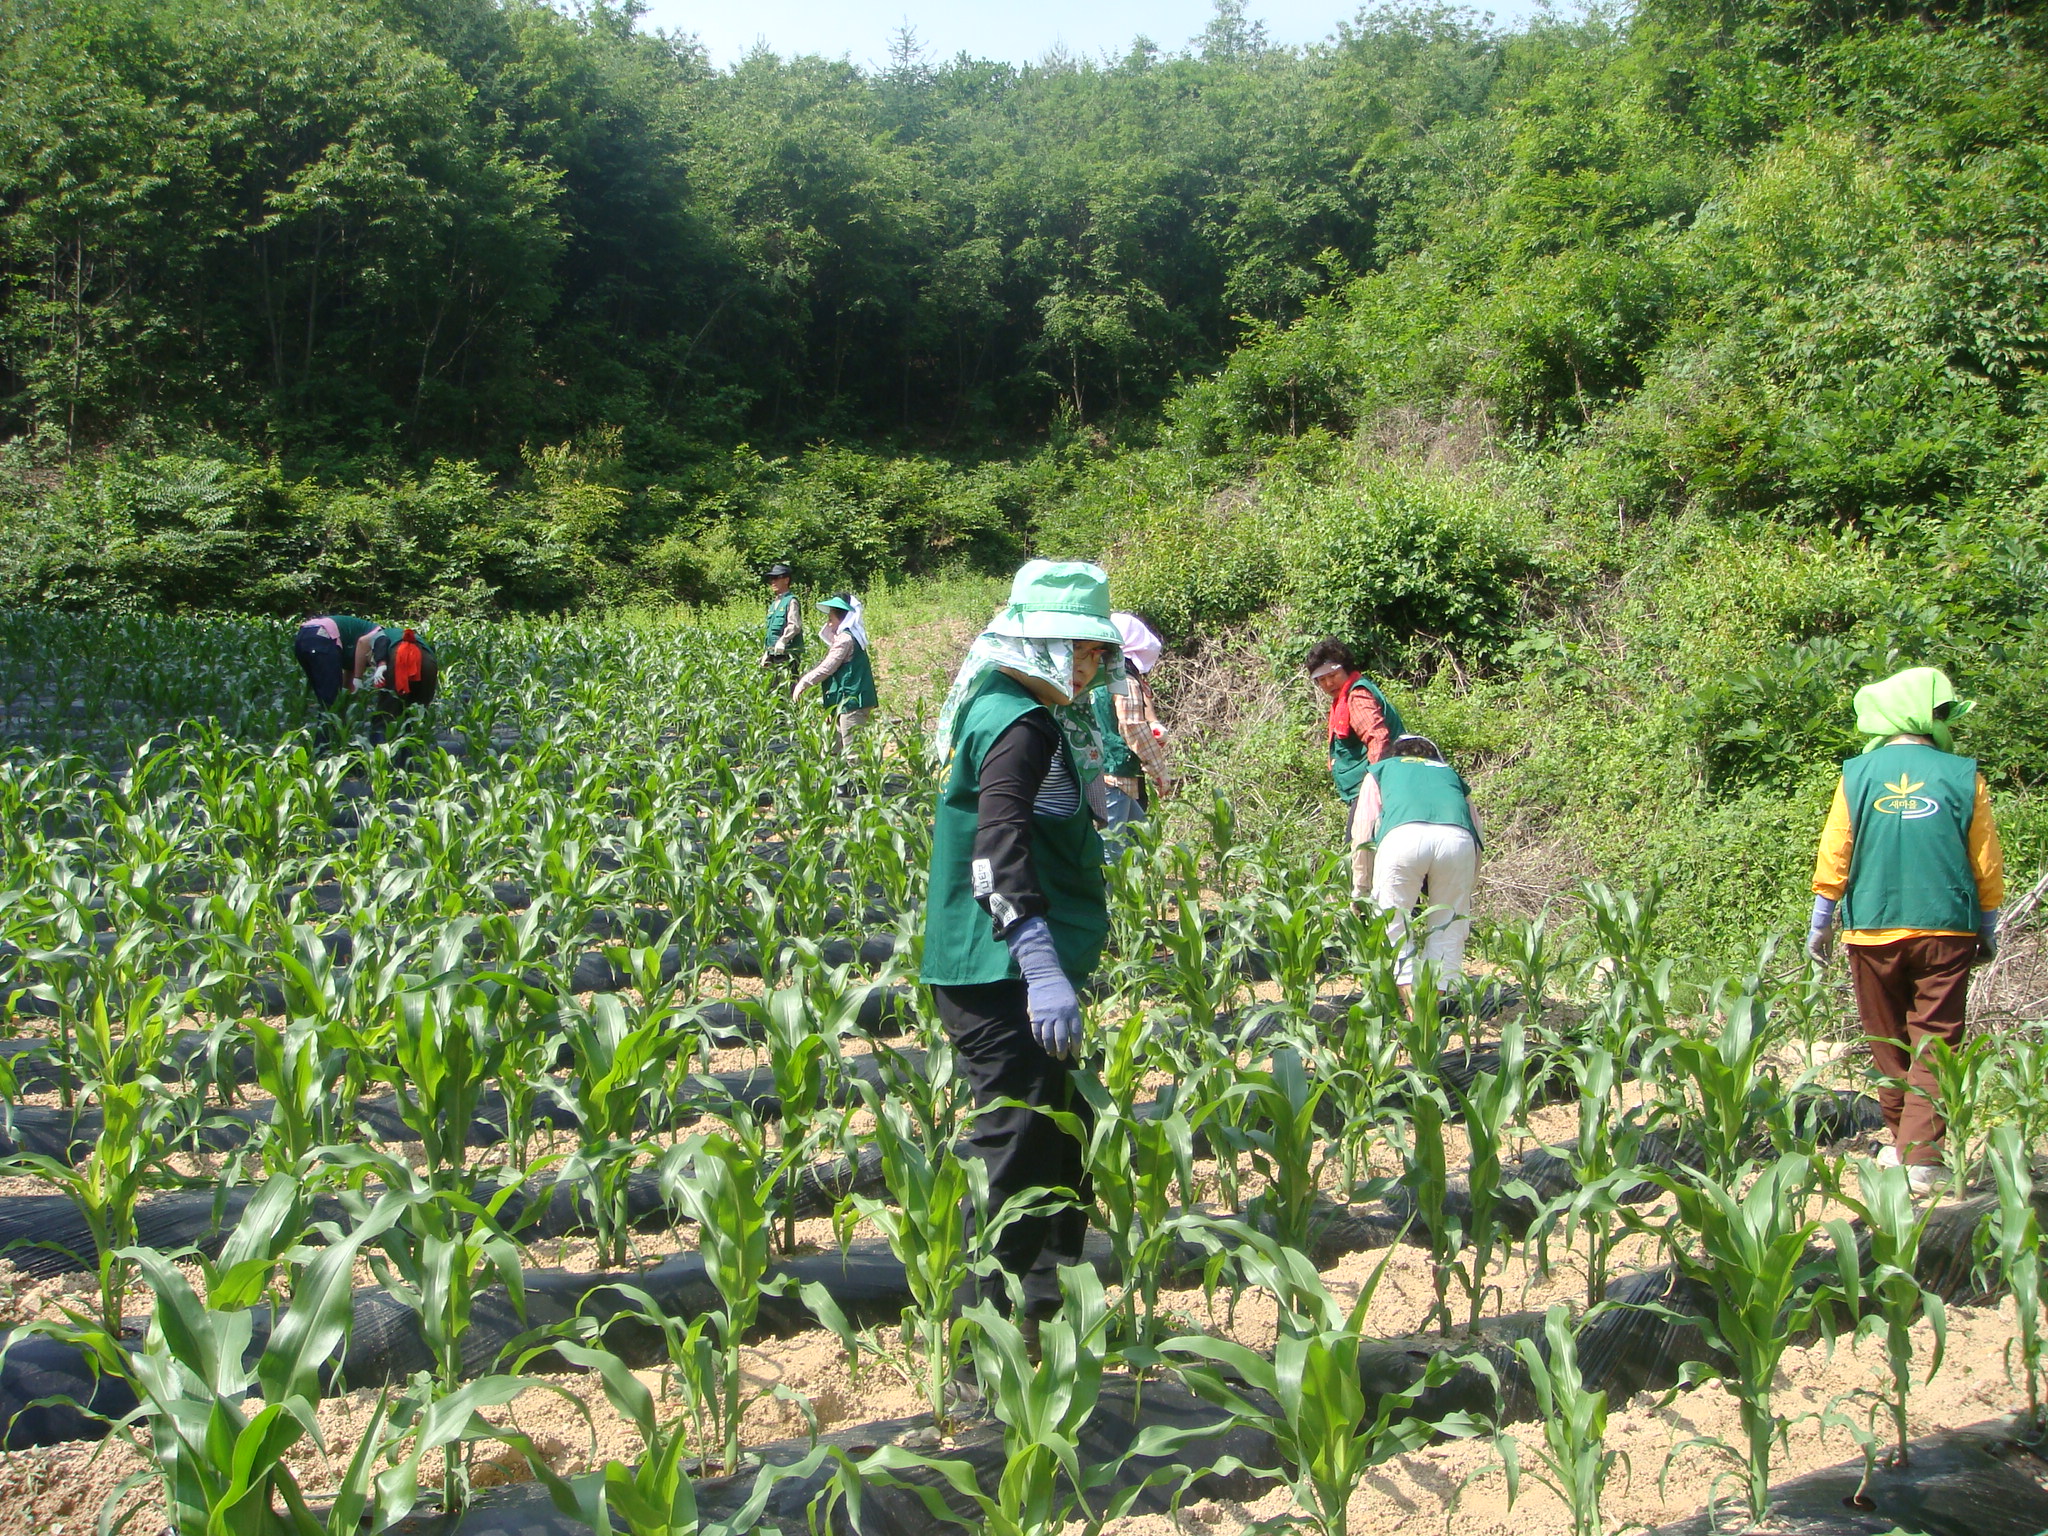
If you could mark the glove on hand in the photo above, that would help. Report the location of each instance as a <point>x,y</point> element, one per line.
<point>1055,1010</point>
<point>1987,937</point>
<point>1820,932</point>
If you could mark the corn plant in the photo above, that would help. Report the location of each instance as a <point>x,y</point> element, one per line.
<point>1136,1163</point>
<point>1721,1087</point>
<point>2011,1246</point>
<point>1964,1078</point>
<point>1605,1162</point>
<point>1326,1437</point>
<point>1359,1064</point>
<point>1280,1131</point>
<point>715,1181</point>
<point>1296,933</point>
<point>1492,1103</point>
<point>924,1222</point>
<point>656,1495</point>
<point>1748,1250</point>
<point>617,1064</point>
<point>221,1465</point>
<point>1892,1295</point>
<point>1574,1461</point>
<point>106,1184</point>
<point>1426,1177</point>
<point>433,1256</point>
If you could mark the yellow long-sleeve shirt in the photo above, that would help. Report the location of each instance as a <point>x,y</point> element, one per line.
<point>1831,867</point>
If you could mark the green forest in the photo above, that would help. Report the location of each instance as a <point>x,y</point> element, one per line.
<point>1630,385</point>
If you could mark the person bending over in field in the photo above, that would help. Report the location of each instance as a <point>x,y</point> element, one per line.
<point>1910,860</point>
<point>784,632</point>
<point>846,677</point>
<point>1362,724</point>
<point>398,669</point>
<point>1017,912</point>
<point>326,649</point>
<point>1133,744</point>
<point>1417,810</point>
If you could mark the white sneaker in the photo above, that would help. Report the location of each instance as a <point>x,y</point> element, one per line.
<point>1926,1178</point>
<point>1887,1157</point>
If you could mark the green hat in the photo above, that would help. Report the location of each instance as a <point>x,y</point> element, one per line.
<point>1058,600</point>
<point>843,601</point>
<point>1919,701</point>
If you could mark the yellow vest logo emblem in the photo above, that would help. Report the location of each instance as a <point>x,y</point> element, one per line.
<point>1903,802</point>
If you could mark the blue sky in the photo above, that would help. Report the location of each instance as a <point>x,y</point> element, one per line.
<point>1019,32</point>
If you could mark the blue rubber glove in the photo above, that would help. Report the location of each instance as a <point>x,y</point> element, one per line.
<point>1820,931</point>
<point>1987,936</point>
<point>1055,1010</point>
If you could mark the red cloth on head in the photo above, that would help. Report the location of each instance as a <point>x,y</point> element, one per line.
<point>405,664</point>
<point>1340,708</point>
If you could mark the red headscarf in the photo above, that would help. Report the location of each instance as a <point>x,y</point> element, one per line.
<point>1340,708</point>
<point>405,664</point>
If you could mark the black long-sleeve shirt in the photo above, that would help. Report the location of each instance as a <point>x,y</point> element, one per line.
<point>1025,773</point>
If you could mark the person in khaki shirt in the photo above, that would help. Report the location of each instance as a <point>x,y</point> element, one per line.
<point>1909,859</point>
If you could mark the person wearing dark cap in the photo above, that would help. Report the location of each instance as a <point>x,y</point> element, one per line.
<point>846,677</point>
<point>784,632</point>
<point>1416,810</point>
<point>1018,909</point>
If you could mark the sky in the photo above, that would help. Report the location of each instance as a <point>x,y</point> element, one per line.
<point>1019,31</point>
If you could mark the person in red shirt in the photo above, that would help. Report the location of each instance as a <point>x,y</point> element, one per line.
<point>1362,727</point>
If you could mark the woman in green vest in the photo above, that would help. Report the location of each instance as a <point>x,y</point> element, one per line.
<point>1017,914</point>
<point>846,677</point>
<point>1362,724</point>
<point>1910,858</point>
<point>1416,810</point>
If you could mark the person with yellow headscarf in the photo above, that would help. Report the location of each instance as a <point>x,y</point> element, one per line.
<point>1910,861</point>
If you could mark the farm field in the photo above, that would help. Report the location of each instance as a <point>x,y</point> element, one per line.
<point>529,1122</point>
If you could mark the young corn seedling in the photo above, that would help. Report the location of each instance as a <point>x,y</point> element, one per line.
<point>1605,1161</point>
<point>1326,1437</point>
<point>1893,1297</point>
<point>1359,1063</point>
<point>436,1253</point>
<point>715,1181</point>
<point>1724,1088</point>
<point>803,1054</point>
<point>106,1184</point>
<point>657,1494</point>
<point>1136,1163</point>
<point>1963,1082</point>
<point>925,1224</point>
<point>1426,1177</point>
<point>1281,1132</point>
<point>1492,1103</point>
<point>1574,1461</point>
<point>221,1422</point>
<point>1748,1250</point>
<point>617,1064</point>
<point>1296,934</point>
<point>2011,1246</point>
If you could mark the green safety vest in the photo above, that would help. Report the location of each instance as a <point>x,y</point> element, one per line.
<point>351,630</point>
<point>1117,757</point>
<point>960,946</point>
<point>778,615</point>
<point>852,687</point>
<point>1347,753</point>
<point>1416,789</point>
<point>1910,808</point>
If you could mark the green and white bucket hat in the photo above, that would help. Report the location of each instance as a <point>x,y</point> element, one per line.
<point>1058,600</point>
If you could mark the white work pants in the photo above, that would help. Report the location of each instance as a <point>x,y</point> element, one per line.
<point>1439,866</point>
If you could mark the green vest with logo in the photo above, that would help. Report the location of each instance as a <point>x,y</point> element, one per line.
<point>1347,753</point>
<point>1118,759</point>
<point>960,946</point>
<point>852,687</point>
<point>1910,808</point>
<point>778,615</point>
<point>1416,789</point>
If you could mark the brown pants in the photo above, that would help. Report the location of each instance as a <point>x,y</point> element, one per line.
<point>1908,993</point>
